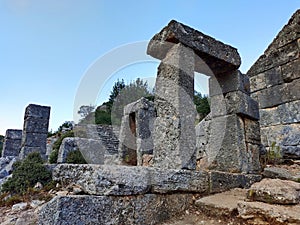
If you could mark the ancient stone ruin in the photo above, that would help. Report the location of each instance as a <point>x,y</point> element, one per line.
<point>275,84</point>
<point>232,144</point>
<point>35,131</point>
<point>12,143</point>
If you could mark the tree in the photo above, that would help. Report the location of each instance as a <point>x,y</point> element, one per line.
<point>85,110</point>
<point>130,93</point>
<point>202,104</point>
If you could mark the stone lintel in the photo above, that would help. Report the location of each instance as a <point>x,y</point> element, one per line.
<point>219,57</point>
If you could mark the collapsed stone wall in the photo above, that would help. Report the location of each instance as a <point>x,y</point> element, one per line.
<point>275,84</point>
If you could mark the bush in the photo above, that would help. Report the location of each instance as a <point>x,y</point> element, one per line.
<point>56,145</point>
<point>102,117</point>
<point>26,174</point>
<point>75,157</point>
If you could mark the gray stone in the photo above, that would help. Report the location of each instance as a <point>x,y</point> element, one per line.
<point>233,81</point>
<point>12,143</point>
<point>290,71</point>
<point>124,180</point>
<point>263,213</point>
<point>258,82</point>
<point>220,58</point>
<point>136,132</point>
<point>111,210</point>
<point>275,191</point>
<point>92,150</point>
<point>276,172</point>
<point>37,111</point>
<point>36,125</point>
<point>36,122</point>
<point>222,181</point>
<point>202,136</point>
<point>291,152</point>
<point>273,77</point>
<point>174,129</point>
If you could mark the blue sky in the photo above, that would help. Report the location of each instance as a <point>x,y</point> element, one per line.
<point>47,46</point>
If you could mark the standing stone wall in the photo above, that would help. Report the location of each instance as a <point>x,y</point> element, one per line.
<point>35,130</point>
<point>275,84</point>
<point>12,143</point>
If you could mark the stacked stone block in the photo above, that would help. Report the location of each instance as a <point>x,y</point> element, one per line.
<point>12,143</point>
<point>136,132</point>
<point>230,148</point>
<point>35,130</point>
<point>275,84</point>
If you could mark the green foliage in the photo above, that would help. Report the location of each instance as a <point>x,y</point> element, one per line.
<point>202,104</point>
<point>102,117</point>
<point>26,174</point>
<point>130,93</point>
<point>66,124</point>
<point>75,157</point>
<point>273,154</point>
<point>1,144</point>
<point>85,110</point>
<point>54,154</point>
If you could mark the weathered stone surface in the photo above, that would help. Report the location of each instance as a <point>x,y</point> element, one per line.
<point>6,165</point>
<point>222,204</point>
<point>68,145</point>
<point>35,130</point>
<point>37,111</point>
<point>227,149</point>
<point>36,125</point>
<point>12,143</point>
<point>111,210</point>
<point>233,81</point>
<point>105,180</point>
<point>174,128</point>
<point>277,173</point>
<point>291,152</point>
<point>168,181</point>
<point>290,71</point>
<point>136,132</point>
<point>263,213</point>
<point>222,181</point>
<point>123,180</point>
<point>202,136</point>
<point>219,57</point>
<point>275,191</point>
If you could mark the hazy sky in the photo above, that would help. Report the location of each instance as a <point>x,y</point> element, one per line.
<point>48,46</point>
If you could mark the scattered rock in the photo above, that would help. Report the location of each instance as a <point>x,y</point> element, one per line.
<point>275,172</point>
<point>275,191</point>
<point>38,186</point>
<point>19,207</point>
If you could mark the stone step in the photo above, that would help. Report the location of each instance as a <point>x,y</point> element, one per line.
<point>234,203</point>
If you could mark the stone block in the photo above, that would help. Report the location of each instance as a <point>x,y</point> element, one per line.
<point>11,147</point>
<point>13,134</point>
<point>68,145</point>
<point>222,181</point>
<point>258,82</point>
<point>37,111</point>
<point>92,150</point>
<point>27,150</point>
<point>291,71</point>
<point>241,103</point>
<point>124,180</point>
<point>105,180</point>
<point>172,181</point>
<point>291,152</point>
<point>174,127</point>
<point>233,81</point>
<point>273,77</point>
<point>36,125</point>
<point>34,139</point>
<point>142,103</point>
<point>219,57</point>
<point>289,112</point>
<point>142,209</point>
<point>275,191</point>
<point>252,131</point>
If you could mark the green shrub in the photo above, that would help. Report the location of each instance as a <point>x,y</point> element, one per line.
<point>75,157</point>
<point>56,145</point>
<point>26,174</point>
<point>102,117</point>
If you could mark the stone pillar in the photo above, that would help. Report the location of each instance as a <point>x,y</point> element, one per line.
<point>234,143</point>
<point>35,130</point>
<point>12,143</point>
<point>174,132</point>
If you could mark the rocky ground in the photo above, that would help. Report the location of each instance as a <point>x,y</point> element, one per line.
<point>271,201</point>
